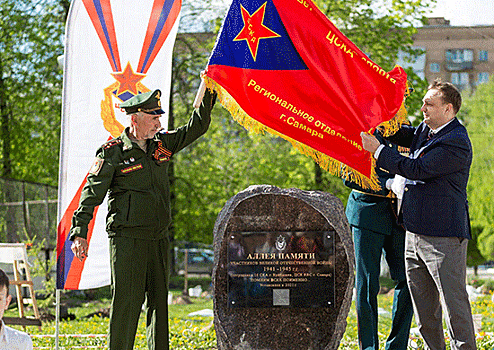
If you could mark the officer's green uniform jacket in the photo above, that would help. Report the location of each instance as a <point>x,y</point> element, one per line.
<point>137,183</point>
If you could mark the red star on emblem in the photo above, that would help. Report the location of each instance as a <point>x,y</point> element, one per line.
<point>128,80</point>
<point>253,30</point>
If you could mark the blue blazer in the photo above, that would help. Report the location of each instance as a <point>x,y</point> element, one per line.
<point>436,205</point>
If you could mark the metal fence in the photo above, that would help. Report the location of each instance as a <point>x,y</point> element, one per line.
<point>28,210</point>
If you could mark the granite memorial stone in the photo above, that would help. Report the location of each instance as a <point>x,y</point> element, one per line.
<point>283,275</point>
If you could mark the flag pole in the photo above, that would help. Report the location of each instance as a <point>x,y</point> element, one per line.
<point>200,94</point>
<point>57,316</point>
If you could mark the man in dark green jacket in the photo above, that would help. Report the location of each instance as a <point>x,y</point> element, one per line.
<point>375,229</point>
<point>133,170</point>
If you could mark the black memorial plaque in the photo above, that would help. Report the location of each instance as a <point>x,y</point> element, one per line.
<point>281,269</point>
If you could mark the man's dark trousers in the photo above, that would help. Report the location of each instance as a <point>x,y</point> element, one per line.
<point>368,247</point>
<point>139,273</point>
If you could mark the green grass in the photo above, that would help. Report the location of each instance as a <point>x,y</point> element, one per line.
<point>188,333</point>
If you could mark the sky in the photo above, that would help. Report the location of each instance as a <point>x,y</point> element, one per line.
<point>465,12</point>
<point>459,12</point>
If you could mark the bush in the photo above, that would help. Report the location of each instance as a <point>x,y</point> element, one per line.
<point>488,287</point>
<point>475,281</point>
<point>177,282</point>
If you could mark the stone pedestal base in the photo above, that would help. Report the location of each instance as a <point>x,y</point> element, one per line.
<point>271,209</point>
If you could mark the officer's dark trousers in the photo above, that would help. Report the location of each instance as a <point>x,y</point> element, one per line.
<point>368,249</point>
<point>139,272</point>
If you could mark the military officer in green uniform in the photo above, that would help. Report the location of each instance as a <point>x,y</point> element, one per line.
<point>375,229</point>
<point>133,170</point>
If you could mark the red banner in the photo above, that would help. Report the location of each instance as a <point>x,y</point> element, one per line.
<point>281,66</point>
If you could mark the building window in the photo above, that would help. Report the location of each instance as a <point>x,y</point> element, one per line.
<point>416,61</point>
<point>459,55</point>
<point>435,68</point>
<point>483,56</point>
<point>483,77</point>
<point>459,59</point>
<point>460,80</point>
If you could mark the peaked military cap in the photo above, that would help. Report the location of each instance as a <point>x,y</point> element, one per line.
<point>148,102</point>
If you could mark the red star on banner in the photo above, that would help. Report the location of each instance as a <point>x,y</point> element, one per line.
<point>253,30</point>
<point>128,80</point>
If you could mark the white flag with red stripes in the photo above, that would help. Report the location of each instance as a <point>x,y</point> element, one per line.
<point>114,49</point>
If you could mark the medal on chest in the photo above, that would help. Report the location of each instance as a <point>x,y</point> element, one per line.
<point>161,154</point>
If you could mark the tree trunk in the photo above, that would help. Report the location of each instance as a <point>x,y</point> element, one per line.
<point>317,177</point>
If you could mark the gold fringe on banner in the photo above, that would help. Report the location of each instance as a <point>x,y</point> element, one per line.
<point>332,166</point>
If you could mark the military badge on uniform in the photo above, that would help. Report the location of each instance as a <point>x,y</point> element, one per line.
<point>112,143</point>
<point>162,154</point>
<point>128,161</point>
<point>131,168</point>
<point>97,165</point>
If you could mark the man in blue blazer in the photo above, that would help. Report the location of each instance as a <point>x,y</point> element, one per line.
<point>435,215</point>
<point>371,215</point>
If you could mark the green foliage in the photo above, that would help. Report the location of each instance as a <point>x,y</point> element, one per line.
<point>178,282</point>
<point>41,267</point>
<point>187,333</point>
<point>478,113</point>
<point>386,282</point>
<point>475,281</point>
<point>32,211</point>
<point>488,287</point>
<point>30,88</point>
<point>474,256</point>
<point>381,29</point>
<point>227,159</point>
<point>486,284</point>
<point>413,103</point>
<point>486,239</point>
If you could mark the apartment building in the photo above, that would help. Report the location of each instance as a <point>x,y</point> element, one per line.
<point>461,55</point>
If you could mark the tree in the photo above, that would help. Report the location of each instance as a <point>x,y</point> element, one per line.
<point>478,115</point>
<point>30,94</point>
<point>30,88</point>
<point>381,29</point>
<point>227,159</point>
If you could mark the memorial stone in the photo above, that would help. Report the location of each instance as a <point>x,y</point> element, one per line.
<point>284,270</point>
